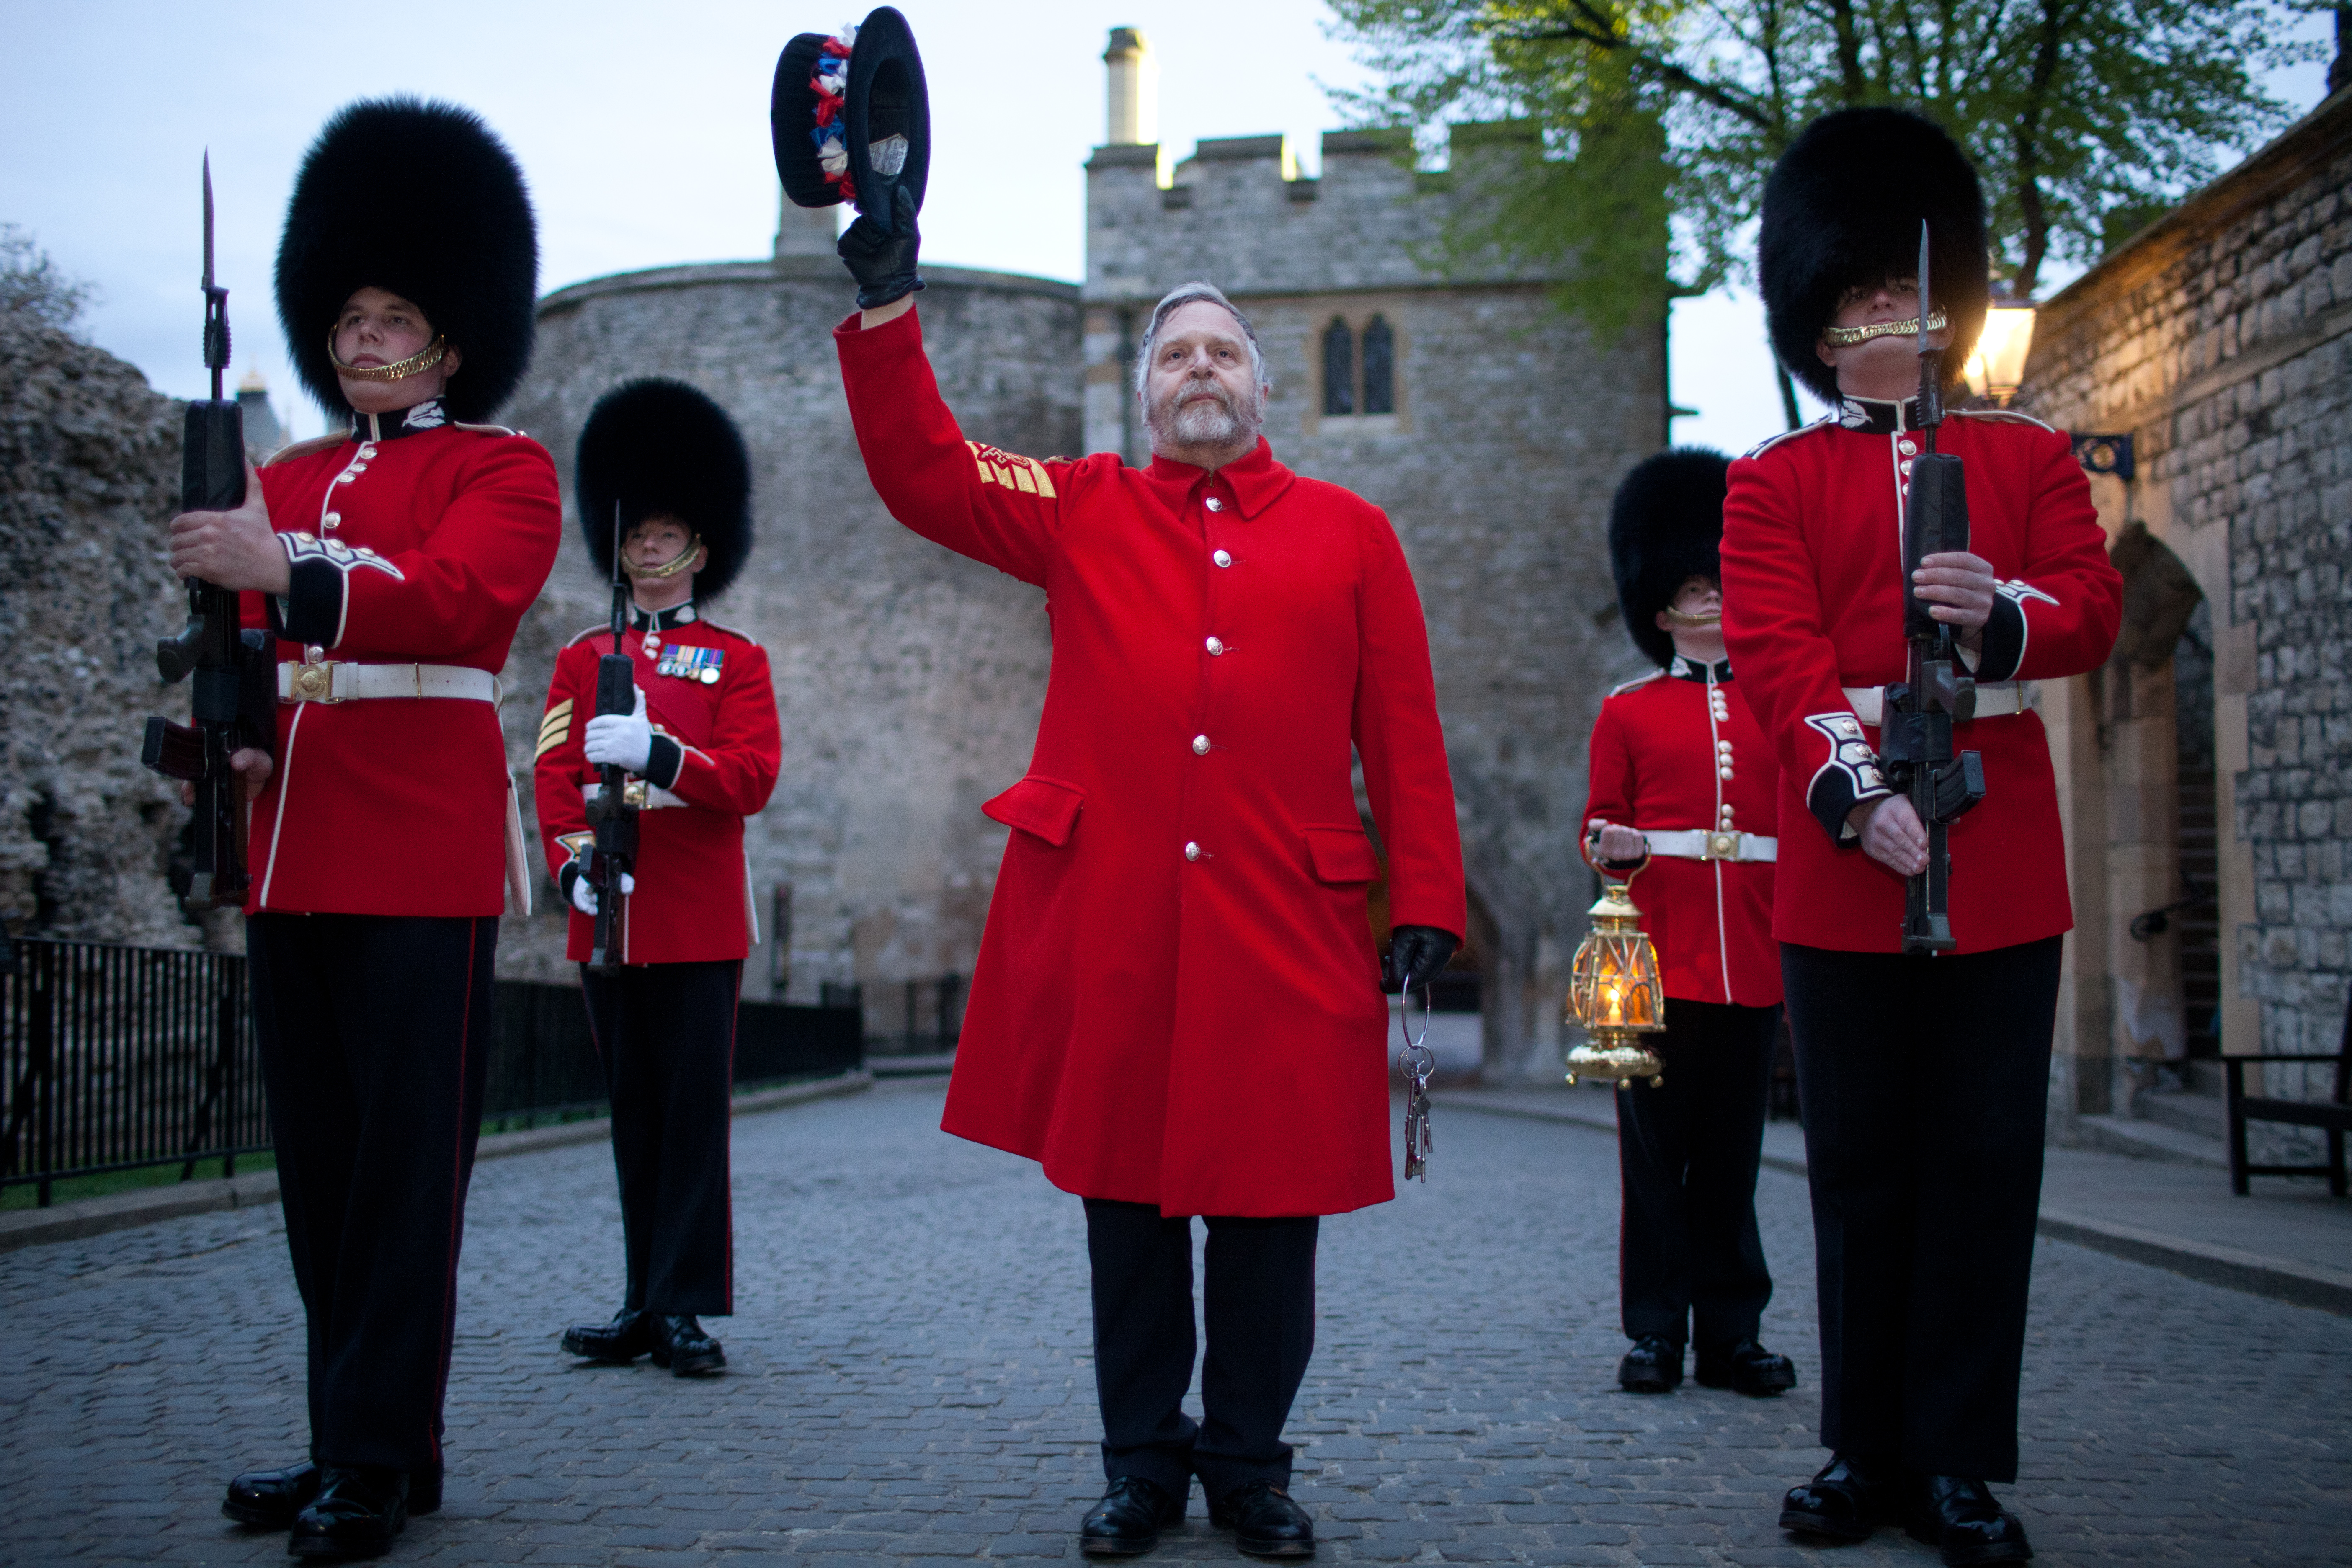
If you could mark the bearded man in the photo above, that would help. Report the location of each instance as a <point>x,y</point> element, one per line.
<point>1176,1006</point>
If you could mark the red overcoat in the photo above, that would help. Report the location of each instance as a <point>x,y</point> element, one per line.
<point>693,898</point>
<point>1677,752</point>
<point>1177,999</point>
<point>424,545</point>
<point>1813,593</point>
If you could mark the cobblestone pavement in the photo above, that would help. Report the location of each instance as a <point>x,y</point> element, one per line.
<point>910,1379</point>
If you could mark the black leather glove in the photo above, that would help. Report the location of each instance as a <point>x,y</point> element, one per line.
<point>883,264</point>
<point>1415,955</point>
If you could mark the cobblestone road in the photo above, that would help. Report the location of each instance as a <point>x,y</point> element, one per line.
<point>910,1379</point>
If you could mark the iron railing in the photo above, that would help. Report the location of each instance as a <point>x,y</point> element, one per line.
<point>121,1058</point>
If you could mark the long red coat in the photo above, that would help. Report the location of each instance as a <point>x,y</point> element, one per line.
<point>1673,752</point>
<point>1813,593</point>
<point>423,545</point>
<point>1177,999</point>
<point>693,898</point>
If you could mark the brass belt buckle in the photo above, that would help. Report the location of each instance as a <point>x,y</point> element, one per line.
<point>633,793</point>
<point>314,682</point>
<point>1723,847</point>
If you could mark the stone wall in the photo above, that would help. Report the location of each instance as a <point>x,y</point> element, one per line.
<point>1510,432</point>
<point>89,476</point>
<point>909,680</point>
<point>2219,341</point>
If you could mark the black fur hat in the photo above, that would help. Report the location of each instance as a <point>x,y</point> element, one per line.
<point>656,447</point>
<point>1666,527</point>
<point>1843,209</point>
<point>884,111</point>
<point>419,199</point>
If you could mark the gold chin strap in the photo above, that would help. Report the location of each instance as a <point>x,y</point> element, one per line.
<point>1692,622</point>
<point>1846,337</point>
<point>424,359</point>
<point>687,560</point>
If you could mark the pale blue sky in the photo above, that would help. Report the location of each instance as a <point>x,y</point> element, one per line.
<point>644,132</point>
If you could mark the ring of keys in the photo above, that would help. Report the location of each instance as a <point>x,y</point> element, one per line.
<point>1417,1061</point>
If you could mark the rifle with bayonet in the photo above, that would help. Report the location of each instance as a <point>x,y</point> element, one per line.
<point>234,700</point>
<point>1915,738</point>
<point>612,814</point>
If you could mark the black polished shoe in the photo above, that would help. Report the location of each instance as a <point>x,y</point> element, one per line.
<point>1264,1521</point>
<point>1654,1365</point>
<point>1845,1501</point>
<point>1959,1517</point>
<point>1129,1520</point>
<point>679,1344</point>
<point>270,1498</point>
<point>628,1336</point>
<point>357,1513</point>
<point>1745,1368</point>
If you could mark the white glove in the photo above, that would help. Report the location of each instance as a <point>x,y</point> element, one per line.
<point>619,741</point>
<point>584,892</point>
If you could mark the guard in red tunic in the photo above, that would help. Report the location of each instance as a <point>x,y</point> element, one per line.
<point>394,558</point>
<point>1924,1079</point>
<point>1682,779</point>
<point>1176,1006</point>
<point>666,466</point>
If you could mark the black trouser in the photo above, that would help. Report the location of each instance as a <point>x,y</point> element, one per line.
<point>375,1031</point>
<point>1259,1304</point>
<point>1924,1083</point>
<point>1688,1254</point>
<point>667,1032</point>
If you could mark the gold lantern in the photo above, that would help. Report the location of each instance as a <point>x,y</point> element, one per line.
<point>1613,992</point>
<point>1996,366</point>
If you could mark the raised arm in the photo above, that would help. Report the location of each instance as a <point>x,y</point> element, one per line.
<point>969,497</point>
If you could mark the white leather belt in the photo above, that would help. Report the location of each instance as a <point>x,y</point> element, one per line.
<point>1694,844</point>
<point>639,792</point>
<point>1995,699</point>
<point>330,680</point>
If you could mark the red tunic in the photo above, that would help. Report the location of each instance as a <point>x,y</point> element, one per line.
<point>1813,594</point>
<point>426,546</point>
<point>693,898</point>
<point>1662,750</point>
<point>1177,999</point>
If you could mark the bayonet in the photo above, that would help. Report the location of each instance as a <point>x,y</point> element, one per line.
<point>1931,354</point>
<point>216,298</point>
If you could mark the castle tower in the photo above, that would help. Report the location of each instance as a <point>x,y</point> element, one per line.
<point>1133,83</point>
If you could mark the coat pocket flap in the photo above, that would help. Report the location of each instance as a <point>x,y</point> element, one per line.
<point>1047,807</point>
<point>1341,855</point>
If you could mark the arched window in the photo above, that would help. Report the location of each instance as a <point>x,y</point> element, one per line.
<point>1380,367</point>
<point>1339,368</point>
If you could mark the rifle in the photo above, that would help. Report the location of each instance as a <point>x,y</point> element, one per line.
<point>233,702</point>
<point>1915,740</point>
<point>612,814</point>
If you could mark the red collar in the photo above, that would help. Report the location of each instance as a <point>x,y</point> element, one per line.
<point>1254,482</point>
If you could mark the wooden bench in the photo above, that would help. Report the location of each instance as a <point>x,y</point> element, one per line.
<point>2332,1116</point>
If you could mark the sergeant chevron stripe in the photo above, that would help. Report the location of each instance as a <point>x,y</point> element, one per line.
<point>997,466</point>
<point>553,727</point>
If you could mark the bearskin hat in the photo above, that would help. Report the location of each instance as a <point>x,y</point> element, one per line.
<point>1666,527</point>
<point>1843,209</point>
<point>852,121</point>
<point>655,447</point>
<point>418,198</point>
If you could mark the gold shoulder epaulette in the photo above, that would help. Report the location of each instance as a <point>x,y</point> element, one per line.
<point>333,439</point>
<point>1637,680</point>
<point>1015,472</point>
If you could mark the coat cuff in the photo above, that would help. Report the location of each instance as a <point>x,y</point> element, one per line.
<point>2004,640</point>
<point>1849,776</point>
<point>663,761</point>
<point>317,601</point>
<point>567,874</point>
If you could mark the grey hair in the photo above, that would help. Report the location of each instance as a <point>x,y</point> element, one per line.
<point>1184,294</point>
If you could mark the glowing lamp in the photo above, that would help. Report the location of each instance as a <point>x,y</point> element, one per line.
<point>1996,366</point>
<point>1613,992</point>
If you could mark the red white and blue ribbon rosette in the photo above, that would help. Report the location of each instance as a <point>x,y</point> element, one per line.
<point>829,83</point>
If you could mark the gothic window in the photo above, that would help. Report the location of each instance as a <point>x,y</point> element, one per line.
<point>1380,367</point>
<point>1339,368</point>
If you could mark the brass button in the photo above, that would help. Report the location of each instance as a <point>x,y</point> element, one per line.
<point>1191,851</point>
<point>1216,646</point>
<point>1200,745</point>
<point>1223,558</point>
<point>1216,505</point>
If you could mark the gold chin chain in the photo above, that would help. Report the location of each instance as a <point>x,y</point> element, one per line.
<point>424,359</point>
<point>1846,337</point>
<point>687,560</point>
<point>1692,622</point>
